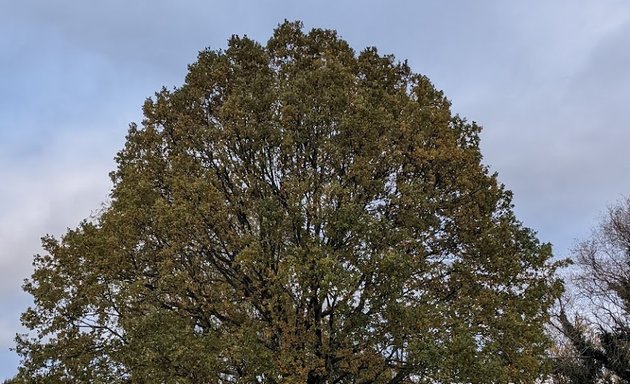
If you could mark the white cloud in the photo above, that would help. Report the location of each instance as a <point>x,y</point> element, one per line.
<point>45,195</point>
<point>49,193</point>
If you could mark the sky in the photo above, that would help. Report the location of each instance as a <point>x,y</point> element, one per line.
<point>548,80</point>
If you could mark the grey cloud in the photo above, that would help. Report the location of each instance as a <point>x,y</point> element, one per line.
<point>160,36</point>
<point>562,147</point>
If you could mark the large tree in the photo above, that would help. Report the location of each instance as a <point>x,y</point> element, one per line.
<point>295,212</point>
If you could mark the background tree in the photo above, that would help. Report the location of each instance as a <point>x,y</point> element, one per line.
<point>296,213</point>
<point>598,336</point>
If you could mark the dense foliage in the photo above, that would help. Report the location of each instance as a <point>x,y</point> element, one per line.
<point>297,213</point>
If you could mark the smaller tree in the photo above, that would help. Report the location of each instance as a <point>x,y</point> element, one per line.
<point>598,335</point>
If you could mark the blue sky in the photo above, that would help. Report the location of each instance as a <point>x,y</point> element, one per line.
<point>548,80</point>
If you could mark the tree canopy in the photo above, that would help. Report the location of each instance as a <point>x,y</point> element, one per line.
<point>295,212</point>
